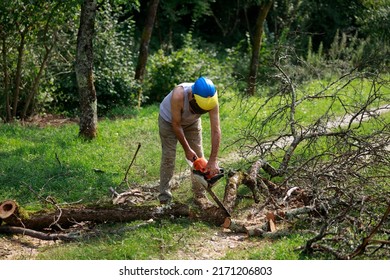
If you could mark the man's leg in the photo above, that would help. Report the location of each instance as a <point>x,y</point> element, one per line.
<point>168,157</point>
<point>193,134</point>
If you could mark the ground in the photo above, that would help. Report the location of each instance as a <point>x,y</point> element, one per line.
<point>208,247</point>
<point>19,247</point>
<point>215,246</point>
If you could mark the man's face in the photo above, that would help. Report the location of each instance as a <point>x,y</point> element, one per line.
<point>194,107</point>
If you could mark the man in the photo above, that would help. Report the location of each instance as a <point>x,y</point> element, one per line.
<point>179,120</point>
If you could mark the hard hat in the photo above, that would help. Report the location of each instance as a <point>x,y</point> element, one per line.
<point>205,93</point>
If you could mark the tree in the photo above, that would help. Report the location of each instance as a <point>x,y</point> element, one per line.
<point>144,44</point>
<point>84,71</point>
<point>28,34</point>
<point>264,8</point>
<point>145,39</point>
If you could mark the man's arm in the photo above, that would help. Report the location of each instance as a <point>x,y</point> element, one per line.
<point>177,105</point>
<point>212,165</point>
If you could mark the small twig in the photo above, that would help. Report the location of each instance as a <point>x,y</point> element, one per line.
<point>114,192</point>
<point>367,240</point>
<point>36,234</point>
<point>324,248</point>
<point>131,163</point>
<point>51,200</point>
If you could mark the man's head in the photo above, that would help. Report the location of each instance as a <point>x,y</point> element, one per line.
<point>205,96</point>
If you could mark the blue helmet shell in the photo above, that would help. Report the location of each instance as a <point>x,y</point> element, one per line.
<point>203,87</point>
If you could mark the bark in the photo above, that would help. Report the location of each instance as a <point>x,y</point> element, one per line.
<point>36,234</point>
<point>251,180</point>
<point>256,46</point>
<point>84,71</point>
<point>230,197</point>
<point>6,82</point>
<point>145,39</point>
<point>67,217</point>
<point>144,45</point>
<point>18,77</point>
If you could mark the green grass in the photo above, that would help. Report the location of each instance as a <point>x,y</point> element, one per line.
<point>284,248</point>
<point>158,240</point>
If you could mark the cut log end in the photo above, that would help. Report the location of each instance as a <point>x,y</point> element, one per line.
<point>7,209</point>
<point>227,222</point>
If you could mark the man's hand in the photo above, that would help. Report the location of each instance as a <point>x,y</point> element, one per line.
<point>191,155</point>
<point>212,168</point>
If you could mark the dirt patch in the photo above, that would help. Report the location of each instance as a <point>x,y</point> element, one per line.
<point>19,247</point>
<point>214,247</point>
<point>50,120</point>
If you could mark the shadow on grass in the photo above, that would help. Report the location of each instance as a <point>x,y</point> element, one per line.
<point>34,171</point>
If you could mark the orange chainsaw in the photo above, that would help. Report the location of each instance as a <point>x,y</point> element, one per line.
<point>207,180</point>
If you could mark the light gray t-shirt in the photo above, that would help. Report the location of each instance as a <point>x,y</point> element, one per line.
<point>187,117</point>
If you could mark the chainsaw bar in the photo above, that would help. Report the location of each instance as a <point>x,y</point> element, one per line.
<point>208,183</point>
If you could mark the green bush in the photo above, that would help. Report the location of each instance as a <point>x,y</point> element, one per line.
<point>114,51</point>
<point>165,70</point>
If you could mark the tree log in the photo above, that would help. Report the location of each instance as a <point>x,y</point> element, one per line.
<point>7,209</point>
<point>230,197</point>
<point>250,180</point>
<point>43,220</point>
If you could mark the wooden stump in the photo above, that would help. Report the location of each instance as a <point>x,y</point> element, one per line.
<point>7,209</point>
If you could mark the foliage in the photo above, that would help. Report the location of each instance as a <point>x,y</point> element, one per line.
<point>165,70</point>
<point>375,21</point>
<point>114,47</point>
<point>216,44</point>
<point>322,19</point>
<point>114,56</point>
<point>30,32</point>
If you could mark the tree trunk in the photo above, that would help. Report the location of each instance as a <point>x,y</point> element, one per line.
<point>6,82</point>
<point>144,44</point>
<point>18,78</point>
<point>84,71</point>
<point>36,82</point>
<point>66,217</point>
<point>256,46</point>
<point>37,79</point>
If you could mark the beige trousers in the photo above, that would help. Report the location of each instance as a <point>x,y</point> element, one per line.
<point>193,134</point>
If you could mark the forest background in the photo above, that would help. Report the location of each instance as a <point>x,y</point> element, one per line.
<point>189,39</point>
<point>266,58</point>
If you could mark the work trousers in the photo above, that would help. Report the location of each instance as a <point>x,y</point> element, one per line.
<point>193,134</point>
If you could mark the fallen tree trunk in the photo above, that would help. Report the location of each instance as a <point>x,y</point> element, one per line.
<point>67,217</point>
<point>7,209</point>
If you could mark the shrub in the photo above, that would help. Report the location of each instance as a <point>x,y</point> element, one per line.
<point>165,70</point>
<point>114,51</point>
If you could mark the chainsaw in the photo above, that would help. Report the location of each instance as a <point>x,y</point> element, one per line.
<point>206,180</point>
